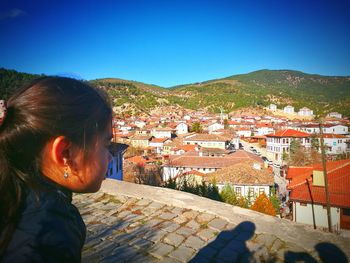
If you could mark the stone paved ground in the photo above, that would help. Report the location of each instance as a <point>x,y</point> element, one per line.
<point>127,229</point>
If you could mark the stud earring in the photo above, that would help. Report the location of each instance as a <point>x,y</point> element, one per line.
<point>65,174</point>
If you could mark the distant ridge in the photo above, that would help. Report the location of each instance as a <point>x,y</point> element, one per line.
<point>259,88</point>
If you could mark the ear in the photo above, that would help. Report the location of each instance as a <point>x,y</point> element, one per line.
<point>61,150</point>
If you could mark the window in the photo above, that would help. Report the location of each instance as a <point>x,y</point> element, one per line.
<point>346,211</point>
<point>250,191</point>
<point>261,191</point>
<point>238,191</point>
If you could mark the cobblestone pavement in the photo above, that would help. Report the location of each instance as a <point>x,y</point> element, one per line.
<point>128,229</point>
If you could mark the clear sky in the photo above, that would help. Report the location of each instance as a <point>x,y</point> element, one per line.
<point>174,42</point>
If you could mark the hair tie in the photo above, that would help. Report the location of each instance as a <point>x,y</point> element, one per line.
<point>3,111</point>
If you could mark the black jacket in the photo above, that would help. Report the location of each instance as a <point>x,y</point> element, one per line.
<point>50,229</point>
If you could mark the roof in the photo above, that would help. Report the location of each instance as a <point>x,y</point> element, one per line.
<point>338,174</point>
<point>163,129</point>
<point>159,140</point>
<point>333,136</point>
<point>242,173</point>
<point>192,172</point>
<point>207,137</point>
<point>140,160</point>
<point>187,147</point>
<point>211,162</point>
<point>289,133</point>
<point>215,150</point>
<point>141,137</point>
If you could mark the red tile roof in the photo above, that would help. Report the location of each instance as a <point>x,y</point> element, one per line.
<point>289,133</point>
<point>338,174</point>
<point>333,136</point>
<point>212,162</point>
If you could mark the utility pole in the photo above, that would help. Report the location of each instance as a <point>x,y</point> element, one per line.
<point>325,177</point>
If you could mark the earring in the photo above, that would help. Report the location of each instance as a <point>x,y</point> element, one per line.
<point>65,174</point>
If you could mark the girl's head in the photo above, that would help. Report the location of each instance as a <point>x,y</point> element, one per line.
<point>55,125</point>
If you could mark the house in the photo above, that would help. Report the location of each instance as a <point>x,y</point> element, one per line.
<point>326,128</point>
<point>178,164</point>
<point>272,107</point>
<point>207,140</point>
<point>115,167</point>
<point>161,132</point>
<point>179,127</point>
<point>263,129</point>
<point>334,115</point>
<point>158,144</point>
<point>307,193</point>
<point>279,142</point>
<point>140,123</point>
<point>336,129</point>
<point>233,124</point>
<point>248,178</point>
<point>140,141</point>
<point>244,132</point>
<point>184,149</point>
<point>214,127</point>
<point>305,112</point>
<point>168,146</point>
<point>288,109</point>
<point>335,143</point>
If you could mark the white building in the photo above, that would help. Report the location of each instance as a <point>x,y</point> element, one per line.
<point>181,128</point>
<point>272,107</point>
<point>158,144</point>
<point>335,143</point>
<point>214,127</point>
<point>207,140</point>
<point>263,129</point>
<point>336,129</point>
<point>305,112</point>
<point>326,128</point>
<point>247,178</point>
<point>161,132</point>
<point>334,115</point>
<point>288,109</point>
<point>244,132</point>
<point>279,142</point>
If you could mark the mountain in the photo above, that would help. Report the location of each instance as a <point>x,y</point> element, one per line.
<point>10,80</point>
<point>281,87</point>
<point>256,89</point>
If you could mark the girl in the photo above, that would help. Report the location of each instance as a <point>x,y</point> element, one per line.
<point>54,140</point>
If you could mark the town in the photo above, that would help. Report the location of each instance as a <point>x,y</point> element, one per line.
<point>242,156</point>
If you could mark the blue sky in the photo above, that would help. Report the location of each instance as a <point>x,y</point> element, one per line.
<point>174,42</point>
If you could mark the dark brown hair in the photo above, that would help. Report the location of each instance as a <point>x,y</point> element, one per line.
<point>48,107</point>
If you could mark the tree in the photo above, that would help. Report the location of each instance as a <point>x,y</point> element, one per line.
<point>315,147</point>
<point>226,124</point>
<point>263,204</point>
<point>197,127</point>
<point>275,200</point>
<point>228,195</point>
<point>298,155</point>
<point>149,174</point>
